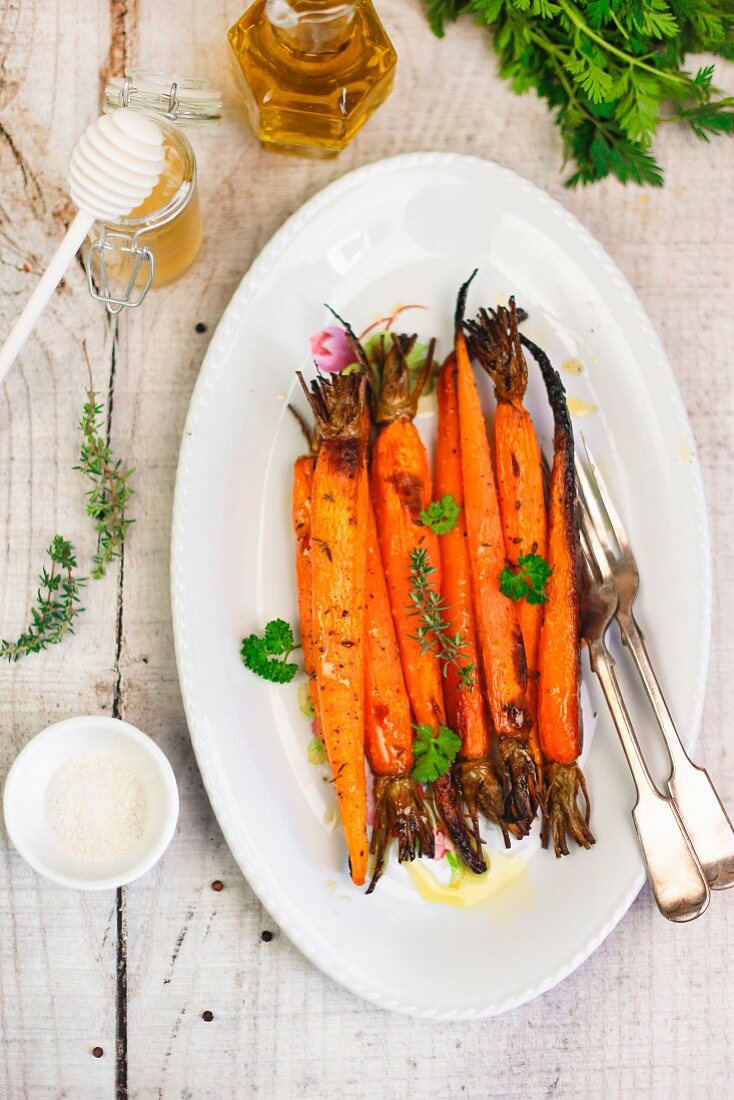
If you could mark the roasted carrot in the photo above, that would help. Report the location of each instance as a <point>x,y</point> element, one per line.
<point>399,805</point>
<point>495,343</point>
<point>339,510</point>
<point>559,709</point>
<point>303,469</point>
<point>388,732</point>
<point>465,705</point>
<point>401,489</point>
<point>501,645</point>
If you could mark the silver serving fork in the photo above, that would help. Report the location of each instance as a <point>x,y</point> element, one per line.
<point>677,880</point>
<point>704,817</point>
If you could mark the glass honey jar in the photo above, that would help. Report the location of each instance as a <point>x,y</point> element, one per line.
<point>311,71</point>
<point>158,241</point>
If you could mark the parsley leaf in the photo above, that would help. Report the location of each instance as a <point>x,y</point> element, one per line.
<point>434,753</point>
<point>278,638</point>
<point>268,656</point>
<point>530,580</point>
<point>441,516</point>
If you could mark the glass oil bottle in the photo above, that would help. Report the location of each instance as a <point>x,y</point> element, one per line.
<point>311,71</point>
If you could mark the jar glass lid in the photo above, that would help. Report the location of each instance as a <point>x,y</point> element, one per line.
<point>187,101</point>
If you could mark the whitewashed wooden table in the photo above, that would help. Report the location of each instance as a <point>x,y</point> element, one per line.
<point>177,983</point>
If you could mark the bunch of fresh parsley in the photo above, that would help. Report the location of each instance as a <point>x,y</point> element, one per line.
<point>611,70</point>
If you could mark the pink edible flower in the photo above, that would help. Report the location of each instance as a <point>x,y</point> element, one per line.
<point>441,842</point>
<point>331,349</point>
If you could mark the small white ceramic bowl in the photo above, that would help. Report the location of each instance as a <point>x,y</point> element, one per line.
<point>25,791</point>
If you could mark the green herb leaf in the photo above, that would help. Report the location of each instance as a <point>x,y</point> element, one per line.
<point>268,656</point>
<point>529,581</point>
<point>458,870</point>
<point>610,71</point>
<point>278,638</point>
<point>110,492</point>
<point>316,751</point>
<point>305,702</point>
<point>428,607</point>
<point>441,516</point>
<point>434,753</point>
<point>57,604</point>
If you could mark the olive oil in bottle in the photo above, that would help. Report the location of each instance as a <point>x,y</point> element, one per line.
<point>312,71</point>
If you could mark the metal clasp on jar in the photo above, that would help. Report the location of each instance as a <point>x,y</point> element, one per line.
<point>140,255</point>
<point>166,105</point>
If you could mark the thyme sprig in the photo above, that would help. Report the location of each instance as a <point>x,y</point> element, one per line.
<point>110,494</point>
<point>57,604</point>
<point>432,633</point>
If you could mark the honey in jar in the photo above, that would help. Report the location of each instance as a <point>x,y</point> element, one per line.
<point>158,241</point>
<point>311,71</point>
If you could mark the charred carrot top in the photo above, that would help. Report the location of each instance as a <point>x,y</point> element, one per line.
<point>399,805</point>
<point>495,342</point>
<point>401,489</point>
<point>501,645</point>
<point>559,708</point>
<point>339,503</point>
<point>465,706</point>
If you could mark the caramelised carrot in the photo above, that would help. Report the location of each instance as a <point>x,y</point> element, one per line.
<point>494,341</point>
<point>388,730</point>
<point>559,709</point>
<point>465,705</point>
<point>339,510</point>
<point>501,645</point>
<point>303,469</point>
<point>401,490</point>
<point>399,805</point>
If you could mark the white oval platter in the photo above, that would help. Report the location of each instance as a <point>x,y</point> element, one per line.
<point>410,229</point>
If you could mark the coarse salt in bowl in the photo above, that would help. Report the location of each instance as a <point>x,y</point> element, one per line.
<point>91,803</point>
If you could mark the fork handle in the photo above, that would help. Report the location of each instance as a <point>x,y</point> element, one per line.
<point>700,808</point>
<point>678,883</point>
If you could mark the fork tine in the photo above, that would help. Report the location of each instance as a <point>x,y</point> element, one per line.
<point>593,506</point>
<point>612,514</point>
<point>589,559</point>
<point>590,535</point>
